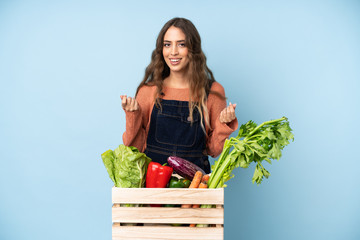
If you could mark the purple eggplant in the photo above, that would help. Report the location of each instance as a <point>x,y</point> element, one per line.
<point>183,167</point>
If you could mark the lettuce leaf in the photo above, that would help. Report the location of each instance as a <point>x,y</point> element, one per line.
<point>126,166</point>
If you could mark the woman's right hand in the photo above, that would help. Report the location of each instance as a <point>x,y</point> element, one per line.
<point>128,103</point>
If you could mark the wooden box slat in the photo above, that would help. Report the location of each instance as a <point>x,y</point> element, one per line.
<point>163,217</point>
<point>168,215</point>
<point>166,233</point>
<point>167,196</point>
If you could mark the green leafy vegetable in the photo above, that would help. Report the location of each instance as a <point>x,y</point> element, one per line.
<point>252,144</point>
<point>126,166</point>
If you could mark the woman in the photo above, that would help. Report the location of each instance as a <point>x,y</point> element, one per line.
<point>179,109</point>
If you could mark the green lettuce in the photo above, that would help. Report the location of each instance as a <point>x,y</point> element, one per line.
<point>126,166</point>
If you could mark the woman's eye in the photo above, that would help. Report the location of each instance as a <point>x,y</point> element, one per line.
<point>182,45</point>
<point>166,44</point>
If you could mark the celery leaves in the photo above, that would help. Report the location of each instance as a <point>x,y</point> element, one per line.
<point>254,143</point>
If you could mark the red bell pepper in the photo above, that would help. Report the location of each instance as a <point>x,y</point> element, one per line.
<point>158,175</point>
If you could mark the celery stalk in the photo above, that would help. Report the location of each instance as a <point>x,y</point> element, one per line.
<point>252,144</point>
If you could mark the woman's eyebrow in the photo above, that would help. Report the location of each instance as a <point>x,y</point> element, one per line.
<point>176,41</point>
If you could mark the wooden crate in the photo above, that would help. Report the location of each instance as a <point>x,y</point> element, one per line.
<point>161,218</point>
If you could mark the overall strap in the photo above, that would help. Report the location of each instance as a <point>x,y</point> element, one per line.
<point>207,89</point>
<point>171,133</point>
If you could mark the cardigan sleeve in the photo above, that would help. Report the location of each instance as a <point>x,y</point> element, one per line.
<point>218,131</point>
<point>137,121</point>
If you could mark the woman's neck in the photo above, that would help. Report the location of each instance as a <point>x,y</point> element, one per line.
<point>176,80</point>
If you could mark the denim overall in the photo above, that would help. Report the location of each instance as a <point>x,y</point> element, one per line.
<point>172,134</point>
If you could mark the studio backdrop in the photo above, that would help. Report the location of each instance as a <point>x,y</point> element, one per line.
<point>64,65</point>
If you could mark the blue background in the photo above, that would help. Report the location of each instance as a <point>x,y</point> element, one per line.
<point>64,64</point>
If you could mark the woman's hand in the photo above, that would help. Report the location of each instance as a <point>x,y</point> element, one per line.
<point>129,104</point>
<point>228,114</point>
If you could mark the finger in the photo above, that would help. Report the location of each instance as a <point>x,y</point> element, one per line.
<point>129,102</point>
<point>233,115</point>
<point>226,115</point>
<point>231,109</point>
<point>221,117</point>
<point>229,114</point>
<point>123,101</point>
<point>136,104</point>
<point>232,105</point>
<point>227,111</point>
<point>132,104</point>
<point>228,118</point>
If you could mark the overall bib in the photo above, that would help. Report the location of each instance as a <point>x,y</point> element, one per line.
<point>172,134</point>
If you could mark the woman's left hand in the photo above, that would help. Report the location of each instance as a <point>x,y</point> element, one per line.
<point>227,115</point>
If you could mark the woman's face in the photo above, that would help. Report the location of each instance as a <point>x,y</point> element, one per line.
<point>175,51</point>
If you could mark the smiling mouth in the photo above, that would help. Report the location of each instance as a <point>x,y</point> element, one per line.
<point>175,61</point>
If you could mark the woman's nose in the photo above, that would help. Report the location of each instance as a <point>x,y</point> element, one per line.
<point>174,50</point>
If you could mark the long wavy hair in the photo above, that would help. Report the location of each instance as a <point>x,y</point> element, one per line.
<point>199,75</point>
